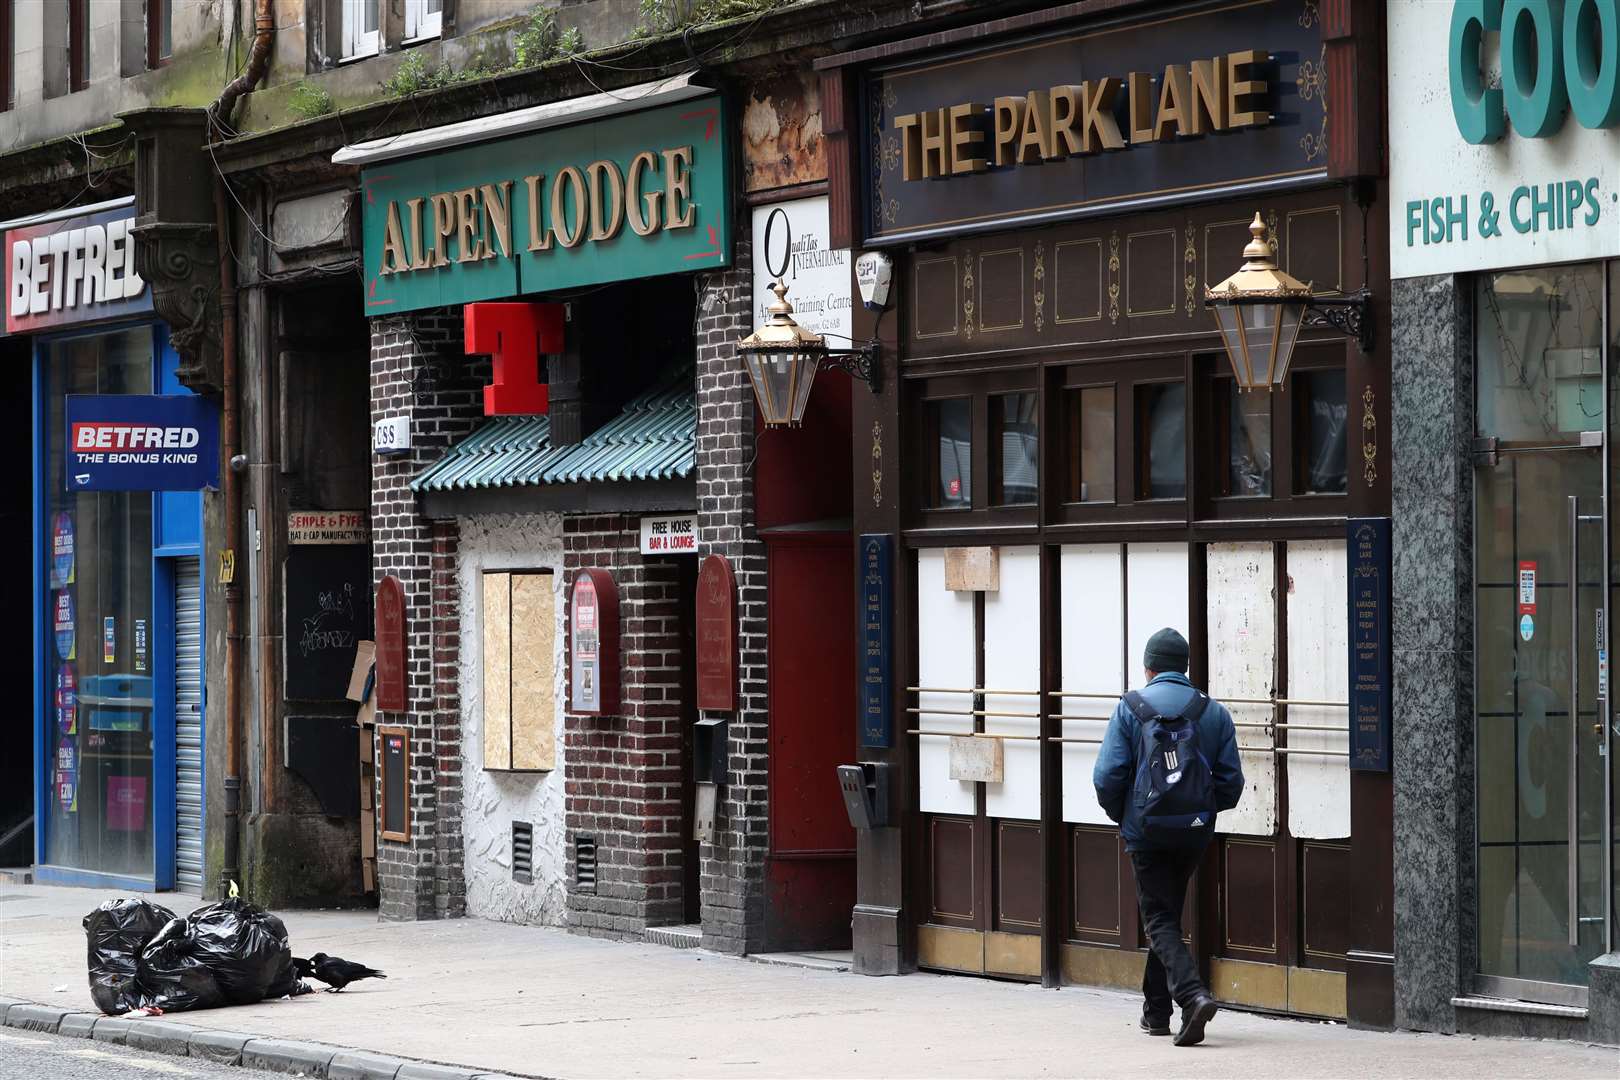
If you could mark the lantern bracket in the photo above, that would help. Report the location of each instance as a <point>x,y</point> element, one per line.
<point>1350,315</point>
<point>864,363</point>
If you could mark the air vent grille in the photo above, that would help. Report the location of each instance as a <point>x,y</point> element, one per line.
<point>585,863</point>
<point>522,852</point>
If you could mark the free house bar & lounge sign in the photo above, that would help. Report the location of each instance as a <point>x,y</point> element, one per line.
<point>1156,112</point>
<point>631,196</point>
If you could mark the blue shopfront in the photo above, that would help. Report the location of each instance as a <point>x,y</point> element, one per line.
<point>118,642</point>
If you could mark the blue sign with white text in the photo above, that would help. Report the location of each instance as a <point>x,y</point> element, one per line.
<point>141,442</point>
<point>1368,545</point>
<point>877,639</point>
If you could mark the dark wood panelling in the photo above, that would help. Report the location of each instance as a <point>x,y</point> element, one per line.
<point>1325,886</point>
<point>1313,242</point>
<point>1249,899</point>
<point>1000,279</point>
<point>1152,272</point>
<point>936,313</point>
<point>1352,31</point>
<point>1018,876</point>
<point>1077,279</point>
<point>1095,869</point>
<point>951,860</point>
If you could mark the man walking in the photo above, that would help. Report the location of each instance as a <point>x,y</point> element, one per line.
<point>1168,764</point>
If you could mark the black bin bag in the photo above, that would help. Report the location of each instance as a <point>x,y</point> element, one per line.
<point>245,948</point>
<point>115,933</point>
<point>171,976</point>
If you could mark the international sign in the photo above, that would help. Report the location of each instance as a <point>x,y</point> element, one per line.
<point>73,270</point>
<point>631,196</point>
<point>141,442</point>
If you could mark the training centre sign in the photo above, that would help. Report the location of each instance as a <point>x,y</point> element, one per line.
<point>134,442</point>
<point>73,270</point>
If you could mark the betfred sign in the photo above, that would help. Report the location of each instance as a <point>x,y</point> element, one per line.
<point>73,270</point>
<point>135,442</point>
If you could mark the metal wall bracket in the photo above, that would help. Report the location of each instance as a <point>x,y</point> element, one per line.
<point>864,363</point>
<point>1350,315</point>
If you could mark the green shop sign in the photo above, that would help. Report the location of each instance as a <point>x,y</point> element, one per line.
<point>628,197</point>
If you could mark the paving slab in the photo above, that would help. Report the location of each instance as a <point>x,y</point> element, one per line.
<point>78,1025</point>
<point>159,1036</point>
<point>220,1047</point>
<point>111,1029</point>
<point>423,1070</point>
<point>35,1017</point>
<point>362,1065</point>
<point>287,1055</point>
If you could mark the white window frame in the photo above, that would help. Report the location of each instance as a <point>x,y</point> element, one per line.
<point>421,23</point>
<point>358,41</point>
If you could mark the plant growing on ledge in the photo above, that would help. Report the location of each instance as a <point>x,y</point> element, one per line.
<point>541,41</point>
<point>309,101</point>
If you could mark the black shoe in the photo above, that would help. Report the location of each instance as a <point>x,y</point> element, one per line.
<point>1154,1027</point>
<point>1194,1015</point>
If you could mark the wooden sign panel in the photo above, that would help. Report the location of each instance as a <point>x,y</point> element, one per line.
<point>325,617</point>
<point>593,655</point>
<point>717,635</point>
<point>396,787</point>
<point>391,639</point>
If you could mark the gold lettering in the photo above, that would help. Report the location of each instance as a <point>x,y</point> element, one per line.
<point>606,222</point>
<point>678,187</point>
<point>1035,141</point>
<point>497,200</point>
<point>1098,128</point>
<point>1208,96</point>
<point>910,146</point>
<point>420,259</point>
<point>467,225</point>
<point>393,259</point>
<point>444,226</point>
<point>566,178</point>
<point>1009,122</point>
<point>642,224</point>
<point>965,135</point>
<point>1174,98</point>
<point>936,151</point>
<point>539,235</point>
<point>1063,103</point>
<point>1238,87</point>
<point>1141,106</point>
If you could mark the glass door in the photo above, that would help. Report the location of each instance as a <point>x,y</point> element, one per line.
<point>1541,684</point>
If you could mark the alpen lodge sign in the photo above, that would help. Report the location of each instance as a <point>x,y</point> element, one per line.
<point>631,196</point>
<point>1123,114</point>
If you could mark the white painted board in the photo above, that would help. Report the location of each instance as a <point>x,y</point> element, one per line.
<point>1318,670</point>
<point>1092,598</point>
<point>1242,638</point>
<point>1012,661</point>
<point>1156,597</point>
<point>945,658</point>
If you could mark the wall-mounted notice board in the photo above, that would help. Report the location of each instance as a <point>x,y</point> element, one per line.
<point>395,743</point>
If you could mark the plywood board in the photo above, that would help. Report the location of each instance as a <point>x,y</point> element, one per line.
<point>497,626</point>
<point>1156,596</point>
<point>1092,599</point>
<point>979,760</point>
<point>1241,630</point>
<point>1012,661</point>
<point>970,569</point>
<point>945,659</point>
<point>1318,670</point>
<point>534,666</point>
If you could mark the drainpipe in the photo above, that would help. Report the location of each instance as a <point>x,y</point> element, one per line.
<point>219,116</point>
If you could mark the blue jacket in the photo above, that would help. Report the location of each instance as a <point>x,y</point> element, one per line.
<point>1114,775</point>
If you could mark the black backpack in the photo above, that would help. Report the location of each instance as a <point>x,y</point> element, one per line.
<point>1174,786</point>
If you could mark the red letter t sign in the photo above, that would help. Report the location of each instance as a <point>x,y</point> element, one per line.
<point>515,336</point>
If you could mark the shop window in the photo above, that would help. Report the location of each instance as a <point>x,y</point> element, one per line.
<point>950,438</point>
<point>423,19</point>
<point>1088,418</point>
<point>1319,432</point>
<point>159,32</point>
<point>78,45</point>
<point>1161,440</point>
<point>1013,449</point>
<point>359,28</point>
<point>1539,338</point>
<point>1244,427</point>
<point>519,690</point>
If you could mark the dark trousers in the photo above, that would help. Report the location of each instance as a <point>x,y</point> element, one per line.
<point>1171,976</point>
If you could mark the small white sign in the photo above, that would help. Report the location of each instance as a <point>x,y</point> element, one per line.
<point>328,527</point>
<point>671,534</point>
<point>818,276</point>
<point>391,435</point>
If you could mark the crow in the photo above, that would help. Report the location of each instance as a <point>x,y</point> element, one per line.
<point>338,973</point>
<point>304,968</point>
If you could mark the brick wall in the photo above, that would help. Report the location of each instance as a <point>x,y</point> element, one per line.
<point>623,778</point>
<point>733,873</point>
<point>417,369</point>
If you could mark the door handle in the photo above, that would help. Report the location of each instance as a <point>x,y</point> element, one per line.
<point>1574,721</point>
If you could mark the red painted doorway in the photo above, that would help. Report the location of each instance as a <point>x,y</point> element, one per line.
<point>810,866</point>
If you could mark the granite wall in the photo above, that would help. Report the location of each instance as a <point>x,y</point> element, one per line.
<point>1432,409</point>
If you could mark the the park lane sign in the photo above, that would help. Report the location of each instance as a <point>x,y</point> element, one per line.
<point>627,197</point>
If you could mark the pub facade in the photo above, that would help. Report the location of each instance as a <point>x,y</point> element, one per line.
<point>1065,464</point>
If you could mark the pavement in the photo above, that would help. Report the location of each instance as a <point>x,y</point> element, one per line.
<point>530,1001</point>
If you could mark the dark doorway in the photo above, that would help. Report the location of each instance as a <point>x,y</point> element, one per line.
<point>16,624</point>
<point>691,898</point>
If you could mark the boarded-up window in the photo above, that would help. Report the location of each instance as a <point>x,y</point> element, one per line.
<point>519,633</point>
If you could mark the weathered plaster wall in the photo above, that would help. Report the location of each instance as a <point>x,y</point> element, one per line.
<point>493,800</point>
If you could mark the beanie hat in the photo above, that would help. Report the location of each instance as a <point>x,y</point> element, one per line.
<point>1166,651</point>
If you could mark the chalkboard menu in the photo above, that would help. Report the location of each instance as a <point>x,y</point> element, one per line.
<point>1367,540</point>
<point>877,638</point>
<point>396,790</point>
<point>327,610</point>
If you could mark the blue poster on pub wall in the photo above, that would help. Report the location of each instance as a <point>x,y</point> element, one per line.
<point>141,442</point>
